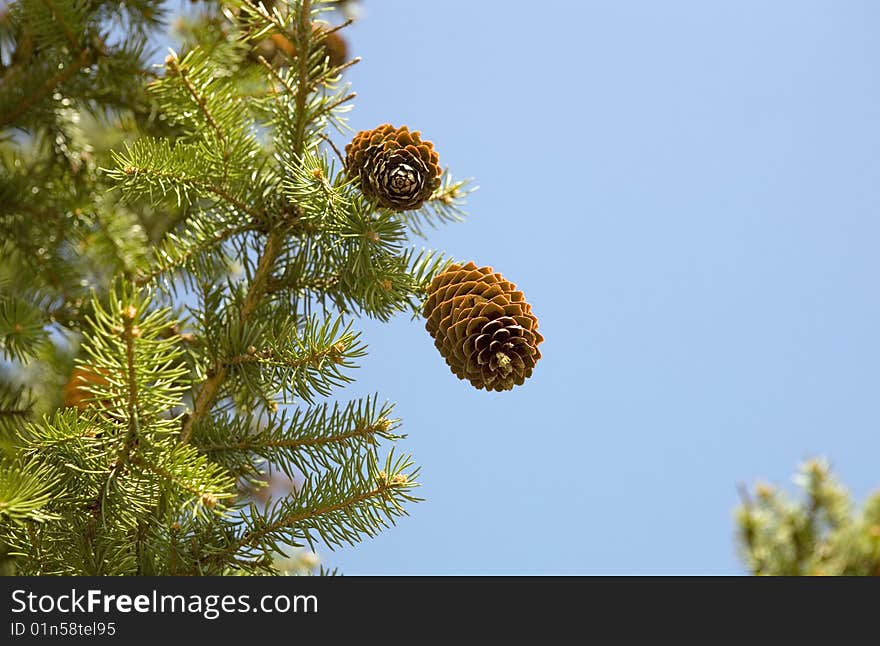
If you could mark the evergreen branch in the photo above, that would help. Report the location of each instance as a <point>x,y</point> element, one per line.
<point>130,333</point>
<point>200,101</point>
<point>354,61</point>
<point>273,357</point>
<point>333,146</point>
<point>61,77</point>
<point>21,412</point>
<point>290,356</point>
<point>257,443</point>
<point>22,328</point>
<point>310,440</point>
<point>122,456</point>
<point>177,253</point>
<point>208,392</point>
<point>132,476</point>
<point>332,30</point>
<point>56,16</point>
<point>190,485</point>
<point>275,75</point>
<point>274,243</point>
<point>252,539</point>
<point>296,283</point>
<point>25,491</point>
<point>329,107</point>
<point>303,33</point>
<point>184,180</point>
<point>340,506</point>
<point>16,408</point>
<point>445,205</point>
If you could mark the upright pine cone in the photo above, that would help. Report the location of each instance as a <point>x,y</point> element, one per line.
<point>482,326</point>
<point>393,166</point>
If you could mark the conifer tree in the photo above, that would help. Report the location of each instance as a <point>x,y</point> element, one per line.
<point>823,534</point>
<point>184,256</point>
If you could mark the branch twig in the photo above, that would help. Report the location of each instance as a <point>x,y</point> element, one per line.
<point>207,394</point>
<point>72,68</point>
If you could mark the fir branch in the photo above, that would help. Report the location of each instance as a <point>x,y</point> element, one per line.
<point>16,412</point>
<point>200,101</point>
<point>211,386</point>
<point>336,150</point>
<point>303,33</point>
<point>25,492</point>
<point>312,439</point>
<point>206,395</point>
<point>192,486</point>
<point>302,283</point>
<point>22,328</point>
<point>252,539</point>
<point>286,355</point>
<point>187,181</point>
<point>353,502</point>
<point>120,463</point>
<point>257,443</point>
<point>61,77</point>
<point>177,252</point>
<point>59,20</point>
<point>444,206</point>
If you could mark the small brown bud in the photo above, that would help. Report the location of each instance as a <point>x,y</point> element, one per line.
<point>251,350</point>
<point>336,352</point>
<point>209,500</point>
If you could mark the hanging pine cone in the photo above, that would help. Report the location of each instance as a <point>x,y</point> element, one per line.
<point>482,326</point>
<point>393,166</point>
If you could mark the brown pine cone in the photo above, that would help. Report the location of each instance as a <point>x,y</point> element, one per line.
<point>77,390</point>
<point>393,166</point>
<point>333,44</point>
<point>482,326</point>
<point>335,48</point>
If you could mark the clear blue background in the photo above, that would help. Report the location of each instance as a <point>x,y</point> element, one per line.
<point>687,193</point>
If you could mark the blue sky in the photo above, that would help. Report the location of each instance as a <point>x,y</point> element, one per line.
<point>687,193</point>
